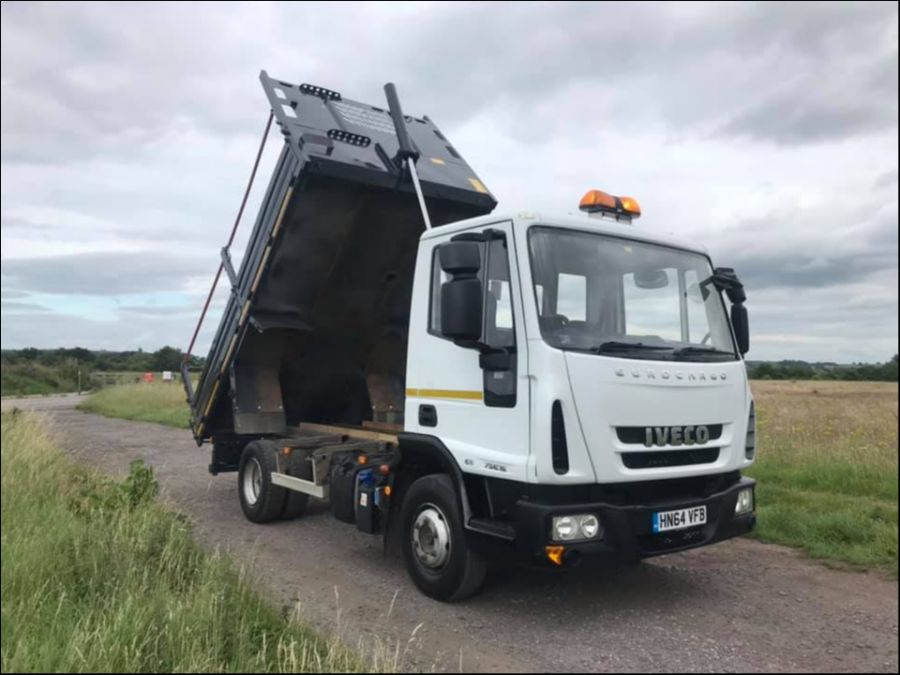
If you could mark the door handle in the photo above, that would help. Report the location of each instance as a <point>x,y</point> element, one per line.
<point>427,416</point>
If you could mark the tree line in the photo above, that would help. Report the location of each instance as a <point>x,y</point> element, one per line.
<point>166,358</point>
<point>803,370</point>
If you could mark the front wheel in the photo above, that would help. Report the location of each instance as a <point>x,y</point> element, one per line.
<point>434,544</point>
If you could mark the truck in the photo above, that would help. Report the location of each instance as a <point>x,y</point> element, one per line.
<point>480,389</point>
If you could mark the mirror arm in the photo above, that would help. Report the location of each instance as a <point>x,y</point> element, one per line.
<point>496,360</point>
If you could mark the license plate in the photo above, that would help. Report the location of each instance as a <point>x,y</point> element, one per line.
<point>679,519</point>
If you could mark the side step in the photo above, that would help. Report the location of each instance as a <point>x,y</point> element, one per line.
<point>493,528</point>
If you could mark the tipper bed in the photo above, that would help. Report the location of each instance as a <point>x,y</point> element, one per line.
<point>315,328</point>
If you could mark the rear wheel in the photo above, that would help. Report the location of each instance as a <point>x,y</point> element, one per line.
<point>434,545</point>
<point>261,501</point>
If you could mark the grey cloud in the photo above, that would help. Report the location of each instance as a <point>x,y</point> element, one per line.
<point>886,180</point>
<point>811,113</point>
<point>120,77</point>
<point>682,68</point>
<point>852,313</point>
<point>807,248</point>
<point>99,273</point>
<point>126,75</point>
<point>144,310</point>
<point>23,224</point>
<point>43,331</point>
<point>9,294</point>
<point>13,307</point>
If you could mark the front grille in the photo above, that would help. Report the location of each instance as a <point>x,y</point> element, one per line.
<point>665,458</point>
<point>638,435</point>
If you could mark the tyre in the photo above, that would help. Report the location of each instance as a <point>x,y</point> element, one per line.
<point>261,501</point>
<point>434,544</point>
<point>295,502</point>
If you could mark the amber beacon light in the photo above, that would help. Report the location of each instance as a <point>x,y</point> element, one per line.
<point>602,203</point>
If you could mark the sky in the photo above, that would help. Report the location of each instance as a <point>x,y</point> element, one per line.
<point>766,132</point>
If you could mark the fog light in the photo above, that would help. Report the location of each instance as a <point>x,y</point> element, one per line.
<point>565,528</point>
<point>590,526</point>
<point>744,503</point>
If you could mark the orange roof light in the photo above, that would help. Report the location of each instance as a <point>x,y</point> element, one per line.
<point>597,201</point>
<point>630,205</point>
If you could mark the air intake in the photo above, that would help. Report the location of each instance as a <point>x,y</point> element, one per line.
<point>559,447</point>
<point>750,450</point>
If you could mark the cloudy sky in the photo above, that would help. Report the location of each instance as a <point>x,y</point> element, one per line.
<point>767,132</point>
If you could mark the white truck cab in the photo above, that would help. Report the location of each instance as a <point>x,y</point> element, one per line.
<point>488,388</point>
<point>600,360</point>
<point>557,290</point>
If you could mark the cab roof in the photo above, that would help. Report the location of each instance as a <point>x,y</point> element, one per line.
<point>524,219</point>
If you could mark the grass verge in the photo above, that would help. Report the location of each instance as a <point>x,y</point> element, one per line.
<point>161,402</point>
<point>98,576</point>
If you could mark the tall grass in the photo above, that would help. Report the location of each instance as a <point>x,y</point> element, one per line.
<point>827,469</point>
<point>97,576</point>
<point>162,402</point>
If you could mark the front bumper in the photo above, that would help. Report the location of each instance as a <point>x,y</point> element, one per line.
<point>628,533</point>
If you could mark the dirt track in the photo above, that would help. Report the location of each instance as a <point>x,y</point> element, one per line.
<point>737,606</point>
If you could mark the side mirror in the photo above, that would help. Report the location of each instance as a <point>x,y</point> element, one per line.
<point>741,324</point>
<point>462,298</point>
<point>460,258</point>
<point>462,309</point>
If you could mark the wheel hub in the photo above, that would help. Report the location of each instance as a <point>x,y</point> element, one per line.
<point>431,537</point>
<point>252,481</point>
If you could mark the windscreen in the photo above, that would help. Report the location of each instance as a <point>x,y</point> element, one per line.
<point>604,294</point>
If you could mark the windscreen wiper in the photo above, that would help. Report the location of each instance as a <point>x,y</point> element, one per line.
<point>685,351</point>
<point>613,346</point>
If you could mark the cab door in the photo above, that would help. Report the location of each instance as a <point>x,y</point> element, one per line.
<point>474,399</point>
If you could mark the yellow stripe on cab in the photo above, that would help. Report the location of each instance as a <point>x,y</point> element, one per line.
<point>460,394</point>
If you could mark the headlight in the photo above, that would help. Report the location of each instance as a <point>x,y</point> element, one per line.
<point>744,502</point>
<point>590,526</point>
<point>581,526</point>
<point>565,528</point>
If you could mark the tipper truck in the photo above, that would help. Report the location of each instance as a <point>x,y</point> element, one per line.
<point>480,389</point>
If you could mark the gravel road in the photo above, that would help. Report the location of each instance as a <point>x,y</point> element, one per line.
<point>737,606</point>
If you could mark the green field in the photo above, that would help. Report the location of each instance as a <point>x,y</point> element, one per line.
<point>98,576</point>
<point>827,469</point>
<point>827,462</point>
<point>162,402</point>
